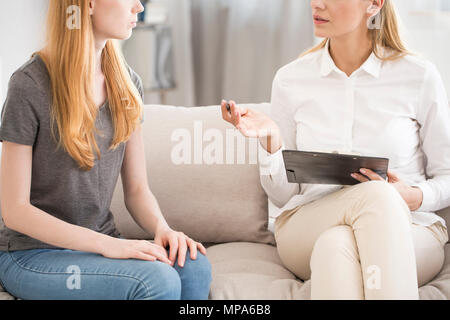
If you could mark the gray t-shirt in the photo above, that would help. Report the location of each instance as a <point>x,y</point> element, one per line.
<point>58,186</point>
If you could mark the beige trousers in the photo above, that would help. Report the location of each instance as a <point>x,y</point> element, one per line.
<point>360,243</point>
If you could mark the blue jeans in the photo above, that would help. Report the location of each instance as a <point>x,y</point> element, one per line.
<point>66,274</point>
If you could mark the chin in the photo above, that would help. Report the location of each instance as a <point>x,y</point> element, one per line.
<point>320,34</point>
<point>123,36</point>
<point>127,36</point>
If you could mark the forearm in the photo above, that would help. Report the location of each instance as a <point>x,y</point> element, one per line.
<point>415,199</point>
<point>46,228</point>
<point>145,210</point>
<point>271,143</point>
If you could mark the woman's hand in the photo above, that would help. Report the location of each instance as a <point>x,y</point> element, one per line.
<point>133,249</point>
<point>413,196</point>
<point>249,122</point>
<point>253,124</point>
<point>178,242</point>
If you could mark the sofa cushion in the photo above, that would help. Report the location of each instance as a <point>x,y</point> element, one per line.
<point>5,295</point>
<point>439,287</point>
<point>253,271</point>
<point>214,202</point>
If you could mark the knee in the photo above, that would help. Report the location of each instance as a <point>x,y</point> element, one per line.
<point>162,283</point>
<point>198,269</point>
<point>382,195</point>
<point>380,191</point>
<point>332,245</point>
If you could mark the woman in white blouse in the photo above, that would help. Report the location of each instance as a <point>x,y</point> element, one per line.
<point>361,92</point>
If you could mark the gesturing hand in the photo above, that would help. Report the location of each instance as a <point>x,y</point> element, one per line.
<point>250,123</point>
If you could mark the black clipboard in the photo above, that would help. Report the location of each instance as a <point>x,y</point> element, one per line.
<point>329,168</point>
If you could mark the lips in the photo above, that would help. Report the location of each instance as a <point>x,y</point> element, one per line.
<point>319,18</point>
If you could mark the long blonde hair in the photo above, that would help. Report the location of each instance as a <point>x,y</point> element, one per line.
<point>386,37</point>
<point>69,58</point>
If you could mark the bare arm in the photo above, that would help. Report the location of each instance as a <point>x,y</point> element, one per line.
<point>271,143</point>
<point>144,208</point>
<point>19,215</point>
<point>252,124</point>
<point>139,200</point>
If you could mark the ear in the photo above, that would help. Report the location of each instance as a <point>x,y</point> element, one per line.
<point>375,7</point>
<point>91,7</point>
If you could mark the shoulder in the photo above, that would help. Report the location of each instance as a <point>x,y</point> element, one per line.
<point>415,66</point>
<point>137,80</point>
<point>301,68</point>
<point>31,79</point>
<point>424,76</point>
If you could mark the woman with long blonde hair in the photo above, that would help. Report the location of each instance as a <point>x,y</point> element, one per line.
<point>70,125</point>
<point>358,92</point>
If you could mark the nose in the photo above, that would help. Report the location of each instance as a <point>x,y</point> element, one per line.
<point>138,7</point>
<point>317,4</point>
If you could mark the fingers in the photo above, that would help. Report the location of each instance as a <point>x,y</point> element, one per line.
<point>239,122</point>
<point>182,248</point>
<point>229,116</point>
<point>240,109</point>
<point>173,249</point>
<point>372,175</point>
<point>366,175</point>
<point>192,248</point>
<point>359,177</point>
<point>179,244</point>
<point>225,114</point>
<point>156,251</point>
<point>235,114</point>
<point>161,257</point>
<point>163,254</point>
<point>201,248</point>
<point>143,256</point>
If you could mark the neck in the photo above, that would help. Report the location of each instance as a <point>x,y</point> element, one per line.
<point>349,52</point>
<point>99,46</point>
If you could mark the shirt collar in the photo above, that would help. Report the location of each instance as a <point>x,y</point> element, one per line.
<point>372,65</point>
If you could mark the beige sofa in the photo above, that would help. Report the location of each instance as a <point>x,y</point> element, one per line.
<point>222,205</point>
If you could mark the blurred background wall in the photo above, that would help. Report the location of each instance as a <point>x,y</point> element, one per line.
<point>220,48</point>
<point>21,33</point>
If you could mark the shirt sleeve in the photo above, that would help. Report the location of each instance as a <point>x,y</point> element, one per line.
<point>19,117</point>
<point>137,80</point>
<point>140,88</point>
<point>271,166</point>
<point>433,116</point>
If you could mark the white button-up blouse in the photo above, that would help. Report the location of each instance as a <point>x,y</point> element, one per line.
<point>395,109</point>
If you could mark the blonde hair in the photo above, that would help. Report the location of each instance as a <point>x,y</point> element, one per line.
<point>69,58</point>
<point>386,37</point>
